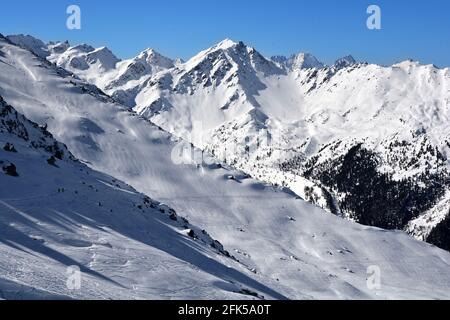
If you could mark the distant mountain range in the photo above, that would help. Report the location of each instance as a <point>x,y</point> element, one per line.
<point>388,124</point>
<point>285,142</point>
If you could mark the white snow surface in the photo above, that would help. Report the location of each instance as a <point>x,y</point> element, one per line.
<point>255,114</point>
<point>126,245</point>
<point>294,249</point>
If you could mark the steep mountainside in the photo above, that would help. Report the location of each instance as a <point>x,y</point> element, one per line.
<point>56,213</point>
<point>285,246</point>
<point>300,129</point>
<point>99,66</point>
<point>283,121</point>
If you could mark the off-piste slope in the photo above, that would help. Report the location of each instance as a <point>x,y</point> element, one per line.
<point>292,248</point>
<point>56,213</point>
<point>325,132</point>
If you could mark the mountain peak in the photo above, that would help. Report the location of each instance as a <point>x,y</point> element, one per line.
<point>153,58</point>
<point>104,56</point>
<point>85,48</point>
<point>30,43</point>
<point>226,44</point>
<point>304,60</point>
<point>298,61</point>
<point>344,62</point>
<point>103,49</point>
<point>232,55</point>
<point>148,52</point>
<point>58,47</point>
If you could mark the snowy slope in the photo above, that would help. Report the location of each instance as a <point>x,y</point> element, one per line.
<point>61,213</point>
<point>276,122</point>
<point>278,119</point>
<point>293,248</point>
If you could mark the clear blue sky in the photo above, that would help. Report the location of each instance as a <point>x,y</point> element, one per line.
<point>180,28</point>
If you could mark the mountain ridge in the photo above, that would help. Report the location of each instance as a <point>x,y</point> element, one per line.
<point>231,85</point>
<point>323,255</point>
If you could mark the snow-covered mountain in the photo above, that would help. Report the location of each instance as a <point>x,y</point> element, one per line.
<point>99,66</point>
<point>85,59</point>
<point>56,212</point>
<point>344,62</point>
<point>298,61</point>
<point>285,247</point>
<point>276,119</point>
<point>293,122</point>
<point>38,47</point>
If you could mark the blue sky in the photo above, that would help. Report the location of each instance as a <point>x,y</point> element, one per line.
<point>180,28</point>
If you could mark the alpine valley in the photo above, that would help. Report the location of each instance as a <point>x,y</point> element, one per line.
<point>304,176</point>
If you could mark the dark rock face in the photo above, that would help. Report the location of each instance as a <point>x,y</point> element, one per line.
<point>14,123</point>
<point>8,147</point>
<point>10,122</point>
<point>10,170</point>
